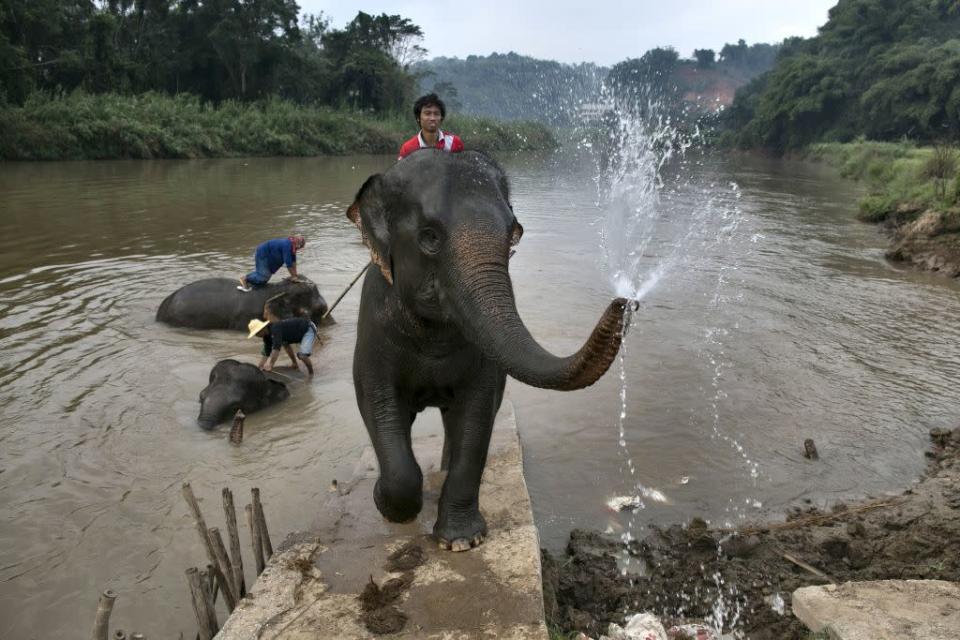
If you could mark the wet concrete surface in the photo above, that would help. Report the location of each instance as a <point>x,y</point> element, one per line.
<point>318,584</point>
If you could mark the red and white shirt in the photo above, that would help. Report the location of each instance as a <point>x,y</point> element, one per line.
<point>446,141</point>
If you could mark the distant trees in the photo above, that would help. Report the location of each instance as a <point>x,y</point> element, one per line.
<point>217,49</point>
<point>878,68</point>
<point>705,58</point>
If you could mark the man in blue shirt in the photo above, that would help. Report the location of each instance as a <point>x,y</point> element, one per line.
<point>269,257</point>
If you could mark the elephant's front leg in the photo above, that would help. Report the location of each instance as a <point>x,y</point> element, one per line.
<point>468,426</point>
<point>398,493</point>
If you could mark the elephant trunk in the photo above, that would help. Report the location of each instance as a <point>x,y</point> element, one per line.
<point>487,313</point>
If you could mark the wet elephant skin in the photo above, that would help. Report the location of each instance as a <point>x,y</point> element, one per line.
<point>237,385</point>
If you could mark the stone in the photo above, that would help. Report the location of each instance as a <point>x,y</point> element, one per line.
<point>881,610</point>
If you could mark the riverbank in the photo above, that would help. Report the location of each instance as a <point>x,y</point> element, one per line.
<point>745,578</point>
<point>82,126</point>
<point>914,193</point>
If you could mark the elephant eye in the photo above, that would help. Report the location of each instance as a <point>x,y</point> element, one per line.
<point>429,240</point>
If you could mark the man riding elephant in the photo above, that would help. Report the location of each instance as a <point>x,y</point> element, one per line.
<point>438,326</point>
<point>269,257</point>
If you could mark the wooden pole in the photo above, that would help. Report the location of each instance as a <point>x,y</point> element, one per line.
<point>101,623</point>
<point>119,634</point>
<point>200,609</point>
<point>224,569</point>
<point>255,539</point>
<point>233,532</point>
<point>207,591</point>
<point>212,579</point>
<point>236,431</point>
<point>137,636</point>
<point>349,286</point>
<point>199,522</point>
<point>261,522</point>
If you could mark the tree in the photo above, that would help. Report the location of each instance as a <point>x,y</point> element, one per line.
<point>706,58</point>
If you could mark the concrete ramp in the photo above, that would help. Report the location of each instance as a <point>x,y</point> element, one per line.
<point>882,610</point>
<point>312,586</point>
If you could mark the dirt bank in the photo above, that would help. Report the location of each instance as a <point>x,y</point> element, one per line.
<point>745,579</point>
<point>931,241</point>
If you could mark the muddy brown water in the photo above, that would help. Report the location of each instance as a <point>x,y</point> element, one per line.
<point>796,328</point>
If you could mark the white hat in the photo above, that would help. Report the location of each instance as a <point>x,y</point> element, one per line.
<point>255,327</point>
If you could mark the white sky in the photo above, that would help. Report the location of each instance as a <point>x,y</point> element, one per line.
<point>600,31</point>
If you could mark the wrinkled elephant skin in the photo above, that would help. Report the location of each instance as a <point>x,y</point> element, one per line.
<point>216,303</point>
<point>438,326</point>
<point>237,385</point>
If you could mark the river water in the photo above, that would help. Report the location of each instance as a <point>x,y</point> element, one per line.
<point>785,326</point>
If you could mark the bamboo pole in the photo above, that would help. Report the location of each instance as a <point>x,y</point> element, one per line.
<point>261,522</point>
<point>255,539</point>
<point>101,623</point>
<point>349,286</point>
<point>224,569</point>
<point>199,522</point>
<point>137,636</point>
<point>233,532</point>
<point>200,609</point>
<point>119,634</point>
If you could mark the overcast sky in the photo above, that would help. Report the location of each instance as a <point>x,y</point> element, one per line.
<point>588,31</point>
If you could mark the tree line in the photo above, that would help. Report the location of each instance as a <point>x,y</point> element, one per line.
<point>880,69</point>
<point>216,49</point>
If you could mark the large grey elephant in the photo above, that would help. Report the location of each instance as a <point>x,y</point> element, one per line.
<point>237,385</point>
<point>438,326</point>
<point>216,303</point>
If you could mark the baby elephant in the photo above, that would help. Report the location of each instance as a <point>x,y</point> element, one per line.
<point>237,385</point>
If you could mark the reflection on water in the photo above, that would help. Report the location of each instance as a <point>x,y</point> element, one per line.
<point>812,335</point>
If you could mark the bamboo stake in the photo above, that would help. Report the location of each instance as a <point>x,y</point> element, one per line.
<point>119,634</point>
<point>255,539</point>
<point>261,522</point>
<point>199,521</point>
<point>212,579</point>
<point>207,593</point>
<point>101,624</point>
<point>137,636</point>
<point>199,604</point>
<point>224,569</point>
<point>234,534</point>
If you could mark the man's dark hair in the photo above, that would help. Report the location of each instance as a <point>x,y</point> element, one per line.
<point>431,99</point>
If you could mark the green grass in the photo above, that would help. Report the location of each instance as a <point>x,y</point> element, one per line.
<point>82,126</point>
<point>902,179</point>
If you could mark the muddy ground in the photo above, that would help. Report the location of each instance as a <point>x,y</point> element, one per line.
<point>691,568</point>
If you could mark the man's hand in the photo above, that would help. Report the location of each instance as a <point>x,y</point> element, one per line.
<point>267,366</point>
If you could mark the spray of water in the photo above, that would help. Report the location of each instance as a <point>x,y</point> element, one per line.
<point>649,231</point>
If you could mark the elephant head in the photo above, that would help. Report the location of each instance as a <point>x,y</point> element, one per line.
<point>297,299</point>
<point>440,229</point>
<point>237,385</point>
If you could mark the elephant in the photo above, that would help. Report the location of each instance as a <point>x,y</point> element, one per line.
<point>237,385</point>
<point>438,326</point>
<point>215,303</point>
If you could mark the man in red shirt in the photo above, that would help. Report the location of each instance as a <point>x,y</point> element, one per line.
<point>429,112</point>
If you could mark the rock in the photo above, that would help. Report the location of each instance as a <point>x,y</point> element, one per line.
<point>643,626</point>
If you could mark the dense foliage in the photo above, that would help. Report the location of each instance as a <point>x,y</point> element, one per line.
<point>884,69</point>
<point>215,49</point>
<point>154,125</point>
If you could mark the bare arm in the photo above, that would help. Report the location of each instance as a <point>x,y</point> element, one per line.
<point>273,360</point>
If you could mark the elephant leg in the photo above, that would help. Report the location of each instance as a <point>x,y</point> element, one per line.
<point>398,493</point>
<point>468,425</point>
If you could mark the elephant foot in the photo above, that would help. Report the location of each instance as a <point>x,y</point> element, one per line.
<point>460,533</point>
<point>397,506</point>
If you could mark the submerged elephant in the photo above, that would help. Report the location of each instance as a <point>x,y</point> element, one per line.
<point>438,326</point>
<point>237,385</point>
<point>216,303</point>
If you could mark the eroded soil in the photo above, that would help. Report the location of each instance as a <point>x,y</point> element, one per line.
<point>745,579</point>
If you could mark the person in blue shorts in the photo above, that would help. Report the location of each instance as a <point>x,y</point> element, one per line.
<point>269,257</point>
<point>283,333</point>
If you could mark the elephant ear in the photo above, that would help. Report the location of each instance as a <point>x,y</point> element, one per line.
<point>369,213</point>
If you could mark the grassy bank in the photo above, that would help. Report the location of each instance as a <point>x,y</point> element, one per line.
<point>913,191</point>
<point>91,127</point>
<point>902,179</point>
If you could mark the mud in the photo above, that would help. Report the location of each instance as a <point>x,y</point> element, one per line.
<point>743,580</point>
<point>380,614</point>
<point>930,242</point>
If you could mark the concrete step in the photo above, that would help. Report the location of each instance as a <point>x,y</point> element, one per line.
<point>882,610</point>
<point>312,585</point>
